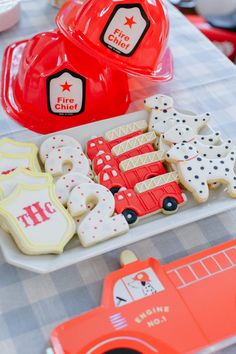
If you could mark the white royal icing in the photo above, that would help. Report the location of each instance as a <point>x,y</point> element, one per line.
<point>55,142</point>
<point>181,132</point>
<point>99,225</point>
<point>196,172</point>
<point>67,155</point>
<point>37,221</point>
<point>164,115</point>
<point>65,184</point>
<point>21,176</point>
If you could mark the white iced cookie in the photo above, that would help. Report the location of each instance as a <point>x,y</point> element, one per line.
<point>65,184</point>
<point>9,162</point>
<point>196,172</point>
<point>164,115</point>
<point>100,224</point>
<point>67,155</point>
<point>140,125</point>
<point>11,146</point>
<point>21,176</point>
<point>127,145</point>
<point>181,132</point>
<point>213,151</point>
<point>55,142</point>
<point>37,221</point>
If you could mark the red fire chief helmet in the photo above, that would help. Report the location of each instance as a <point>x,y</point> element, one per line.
<point>49,84</point>
<point>132,34</point>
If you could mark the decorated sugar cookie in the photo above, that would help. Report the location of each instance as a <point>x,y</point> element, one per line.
<point>164,116</point>
<point>65,184</point>
<point>9,162</point>
<point>140,125</point>
<point>142,160</point>
<point>100,224</point>
<point>180,133</point>
<point>67,155</point>
<point>11,146</point>
<point>38,222</point>
<point>196,172</point>
<point>55,142</point>
<point>21,176</point>
<point>158,194</point>
<point>146,138</point>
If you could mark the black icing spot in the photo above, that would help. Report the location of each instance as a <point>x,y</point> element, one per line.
<point>203,183</point>
<point>195,120</point>
<point>202,168</point>
<point>196,176</point>
<point>218,155</point>
<point>199,159</point>
<point>227,169</point>
<point>215,167</point>
<point>190,168</point>
<point>185,157</point>
<point>222,161</point>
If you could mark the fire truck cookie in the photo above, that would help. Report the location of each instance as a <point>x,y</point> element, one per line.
<point>158,194</point>
<point>99,145</point>
<point>151,308</point>
<point>106,159</point>
<point>114,179</point>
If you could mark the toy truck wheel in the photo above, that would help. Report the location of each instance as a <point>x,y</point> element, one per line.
<point>114,190</point>
<point>170,205</point>
<point>130,216</point>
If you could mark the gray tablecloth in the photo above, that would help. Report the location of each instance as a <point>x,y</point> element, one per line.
<point>32,305</point>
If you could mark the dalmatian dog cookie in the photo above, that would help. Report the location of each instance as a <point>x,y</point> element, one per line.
<point>196,172</point>
<point>140,125</point>
<point>165,116</point>
<point>127,145</point>
<point>56,142</point>
<point>10,162</point>
<point>180,133</point>
<point>21,176</point>
<point>67,155</point>
<point>100,224</point>
<point>65,184</point>
<point>37,221</point>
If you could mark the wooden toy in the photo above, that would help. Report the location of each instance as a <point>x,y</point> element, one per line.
<point>186,306</point>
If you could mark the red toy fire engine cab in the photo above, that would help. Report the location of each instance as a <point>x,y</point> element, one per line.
<point>99,145</point>
<point>149,198</point>
<point>114,179</point>
<point>186,306</point>
<point>107,159</point>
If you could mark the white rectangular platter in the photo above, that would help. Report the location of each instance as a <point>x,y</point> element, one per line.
<point>151,226</point>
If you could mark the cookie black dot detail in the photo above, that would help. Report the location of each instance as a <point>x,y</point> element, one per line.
<point>202,168</point>
<point>203,183</point>
<point>196,176</point>
<point>190,168</point>
<point>227,169</point>
<point>218,155</point>
<point>199,159</point>
<point>215,167</point>
<point>222,161</point>
<point>185,157</point>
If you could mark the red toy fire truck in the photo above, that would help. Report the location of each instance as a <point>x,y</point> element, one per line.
<point>187,306</point>
<point>114,179</point>
<point>149,197</point>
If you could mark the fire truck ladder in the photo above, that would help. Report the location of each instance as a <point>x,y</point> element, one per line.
<point>203,268</point>
<point>156,182</point>
<point>141,160</point>
<point>146,138</point>
<point>140,125</point>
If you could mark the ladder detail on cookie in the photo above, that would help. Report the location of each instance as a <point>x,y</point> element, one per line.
<point>146,138</point>
<point>118,132</point>
<point>156,182</point>
<point>141,160</point>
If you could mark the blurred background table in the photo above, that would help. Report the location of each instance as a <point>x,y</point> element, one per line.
<point>32,305</point>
